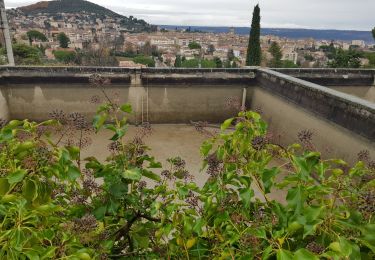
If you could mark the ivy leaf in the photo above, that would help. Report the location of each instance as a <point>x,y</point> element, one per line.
<point>32,255</point>
<point>246,194</point>
<point>118,189</point>
<point>16,176</point>
<point>74,152</point>
<point>127,108</point>
<point>303,254</point>
<point>268,177</point>
<point>151,175</point>
<point>283,254</point>
<point>227,123</point>
<point>132,174</point>
<point>99,120</point>
<point>99,213</point>
<point>206,148</point>
<point>73,173</point>
<point>296,198</point>
<point>30,190</point>
<point>4,186</point>
<point>120,132</point>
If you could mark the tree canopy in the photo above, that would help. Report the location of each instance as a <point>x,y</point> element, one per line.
<point>345,59</point>
<point>33,35</point>
<point>194,46</point>
<point>63,40</point>
<point>373,33</point>
<point>276,53</point>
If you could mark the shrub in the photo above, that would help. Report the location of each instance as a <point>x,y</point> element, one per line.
<point>25,54</point>
<point>65,56</point>
<point>54,204</point>
<point>145,60</point>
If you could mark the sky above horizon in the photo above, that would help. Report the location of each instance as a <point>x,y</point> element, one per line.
<point>316,14</point>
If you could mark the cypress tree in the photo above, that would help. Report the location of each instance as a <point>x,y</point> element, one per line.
<point>254,51</point>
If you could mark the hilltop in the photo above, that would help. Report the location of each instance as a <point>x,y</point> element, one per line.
<point>55,8</point>
<point>67,6</point>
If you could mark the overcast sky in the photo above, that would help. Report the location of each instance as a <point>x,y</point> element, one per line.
<point>320,14</point>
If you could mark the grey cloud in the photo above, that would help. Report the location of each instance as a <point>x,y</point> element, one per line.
<point>336,14</point>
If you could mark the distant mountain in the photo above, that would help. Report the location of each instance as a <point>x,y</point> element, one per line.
<point>340,35</point>
<point>56,7</point>
<point>67,6</point>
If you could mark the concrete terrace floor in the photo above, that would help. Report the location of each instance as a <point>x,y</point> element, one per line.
<point>167,141</point>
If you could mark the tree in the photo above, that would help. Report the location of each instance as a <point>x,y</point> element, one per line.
<point>35,35</point>
<point>373,33</point>
<point>211,49</point>
<point>276,53</point>
<point>346,59</point>
<point>219,63</point>
<point>146,49</point>
<point>254,51</point>
<point>63,40</point>
<point>194,46</point>
<point>178,61</point>
<point>230,55</point>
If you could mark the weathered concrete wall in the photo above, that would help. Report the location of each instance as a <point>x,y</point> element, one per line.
<point>334,77</point>
<point>153,103</point>
<point>286,119</point>
<point>4,110</point>
<point>346,110</point>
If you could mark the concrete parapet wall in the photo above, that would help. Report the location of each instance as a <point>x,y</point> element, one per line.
<point>334,77</point>
<point>353,113</point>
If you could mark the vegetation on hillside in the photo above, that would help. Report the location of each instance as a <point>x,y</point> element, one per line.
<point>54,204</point>
<point>78,6</point>
<point>25,54</point>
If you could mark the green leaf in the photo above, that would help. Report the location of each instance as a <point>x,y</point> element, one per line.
<point>199,225</point>
<point>296,198</point>
<point>118,189</point>
<point>206,148</point>
<point>127,108</point>
<point>32,255</point>
<point>6,134</point>
<point>151,175</point>
<point>16,176</point>
<point>283,254</point>
<point>4,186</point>
<point>99,120</point>
<point>303,254</point>
<point>30,190</point>
<point>119,134</point>
<point>246,194</point>
<point>132,174</point>
<point>74,152</point>
<point>227,123</point>
<point>73,173</point>
<point>99,213</point>
<point>268,177</point>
